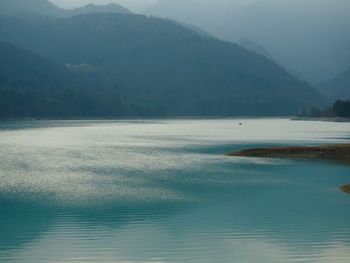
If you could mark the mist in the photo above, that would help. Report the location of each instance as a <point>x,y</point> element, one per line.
<point>309,38</point>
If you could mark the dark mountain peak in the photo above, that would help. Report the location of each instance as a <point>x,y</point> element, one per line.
<point>108,8</point>
<point>46,8</point>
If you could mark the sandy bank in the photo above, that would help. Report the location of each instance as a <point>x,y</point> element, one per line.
<point>339,153</point>
<point>345,188</point>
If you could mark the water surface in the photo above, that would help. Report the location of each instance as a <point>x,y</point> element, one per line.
<point>163,191</point>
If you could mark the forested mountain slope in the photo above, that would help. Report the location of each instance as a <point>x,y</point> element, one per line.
<point>162,68</point>
<point>33,86</point>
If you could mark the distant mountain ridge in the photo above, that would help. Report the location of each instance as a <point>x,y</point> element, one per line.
<point>46,8</point>
<point>156,67</point>
<point>252,46</point>
<point>210,15</point>
<point>310,38</point>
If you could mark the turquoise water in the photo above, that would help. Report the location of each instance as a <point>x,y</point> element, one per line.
<point>163,191</point>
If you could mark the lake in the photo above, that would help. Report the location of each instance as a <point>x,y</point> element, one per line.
<point>164,191</point>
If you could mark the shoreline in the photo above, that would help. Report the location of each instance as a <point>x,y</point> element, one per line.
<point>339,153</point>
<point>325,119</point>
<point>345,188</point>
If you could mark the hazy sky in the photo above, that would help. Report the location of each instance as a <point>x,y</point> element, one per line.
<point>134,5</point>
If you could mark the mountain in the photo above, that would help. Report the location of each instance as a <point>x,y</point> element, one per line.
<point>308,37</point>
<point>24,7</point>
<point>92,8</point>
<point>46,8</point>
<point>34,86</point>
<point>210,15</point>
<point>337,88</point>
<point>161,68</point>
<point>252,46</point>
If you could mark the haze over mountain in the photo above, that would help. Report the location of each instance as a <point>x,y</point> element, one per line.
<point>337,88</point>
<point>252,46</point>
<point>210,15</point>
<point>46,8</point>
<point>158,67</point>
<point>309,37</point>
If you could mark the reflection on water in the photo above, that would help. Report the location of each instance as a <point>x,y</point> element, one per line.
<point>162,191</point>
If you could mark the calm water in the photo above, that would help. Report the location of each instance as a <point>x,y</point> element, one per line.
<point>163,191</point>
